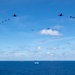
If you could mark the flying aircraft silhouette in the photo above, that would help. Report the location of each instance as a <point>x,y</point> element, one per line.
<point>14,15</point>
<point>2,22</point>
<point>48,28</point>
<point>71,16</point>
<point>5,20</point>
<point>60,14</point>
<point>8,19</point>
<point>32,29</point>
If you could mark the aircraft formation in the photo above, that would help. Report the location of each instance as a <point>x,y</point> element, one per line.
<point>62,15</point>
<point>71,16</point>
<point>14,15</point>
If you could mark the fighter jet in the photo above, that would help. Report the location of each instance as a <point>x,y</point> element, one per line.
<point>14,15</point>
<point>5,20</point>
<point>2,22</point>
<point>32,29</point>
<point>48,28</point>
<point>8,19</point>
<point>71,16</point>
<point>60,14</point>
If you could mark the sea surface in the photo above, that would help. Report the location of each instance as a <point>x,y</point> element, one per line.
<point>41,68</point>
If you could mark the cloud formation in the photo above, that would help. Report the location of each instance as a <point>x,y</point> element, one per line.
<point>39,48</point>
<point>50,32</point>
<point>58,27</point>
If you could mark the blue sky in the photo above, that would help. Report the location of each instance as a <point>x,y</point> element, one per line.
<point>19,42</point>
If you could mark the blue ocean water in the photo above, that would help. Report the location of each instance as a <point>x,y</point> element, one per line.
<point>43,68</point>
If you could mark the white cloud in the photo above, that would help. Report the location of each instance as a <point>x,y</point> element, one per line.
<point>39,48</point>
<point>50,32</point>
<point>55,48</point>
<point>58,27</point>
<point>51,54</point>
<point>19,54</point>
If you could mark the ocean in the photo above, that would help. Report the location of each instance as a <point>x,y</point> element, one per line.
<point>41,68</point>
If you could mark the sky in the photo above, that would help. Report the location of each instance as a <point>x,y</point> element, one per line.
<point>37,32</point>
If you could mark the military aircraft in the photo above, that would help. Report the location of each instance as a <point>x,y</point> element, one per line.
<point>5,20</point>
<point>71,16</point>
<point>2,22</point>
<point>32,29</point>
<point>48,28</point>
<point>14,15</point>
<point>8,19</point>
<point>60,14</point>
